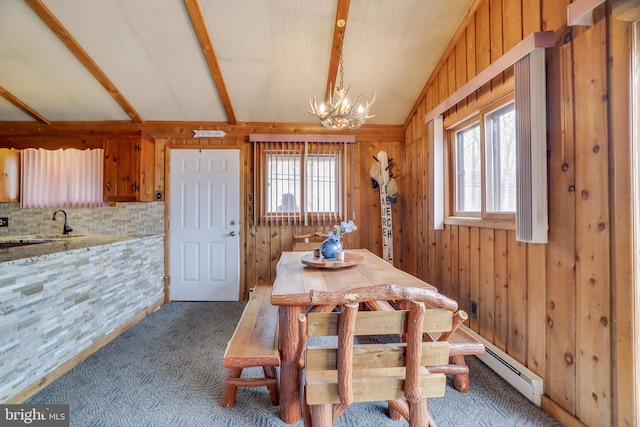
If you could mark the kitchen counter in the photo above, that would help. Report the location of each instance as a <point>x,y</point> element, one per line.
<point>57,244</point>
<point>62,300</point>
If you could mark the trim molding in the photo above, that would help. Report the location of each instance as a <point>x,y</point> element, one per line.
<point>580,12</point>
<point>535,40</point>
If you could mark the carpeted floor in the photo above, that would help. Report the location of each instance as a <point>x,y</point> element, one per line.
<point>165,371</point>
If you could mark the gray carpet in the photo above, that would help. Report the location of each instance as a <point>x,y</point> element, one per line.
<point>165,371</point>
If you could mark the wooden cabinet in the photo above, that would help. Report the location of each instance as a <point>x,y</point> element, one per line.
<point>9,175</point>
<point>128,168</point>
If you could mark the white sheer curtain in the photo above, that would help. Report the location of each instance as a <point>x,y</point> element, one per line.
<point>61,178</point>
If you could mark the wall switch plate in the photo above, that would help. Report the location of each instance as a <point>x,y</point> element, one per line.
<point>4,221</point>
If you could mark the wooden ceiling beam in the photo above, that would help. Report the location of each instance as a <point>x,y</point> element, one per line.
<point>65,37</point>
<point>334,60</point>
<point>199,24</point>
<point>21,105</point>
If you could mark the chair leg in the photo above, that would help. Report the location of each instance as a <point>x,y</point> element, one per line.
<point>229,390</point>
<point>419,413</point>
<point>460,381</point>
<point>398,409</point>
<point>270,372</point>
<point>321,415</point>
<point>306,410</point>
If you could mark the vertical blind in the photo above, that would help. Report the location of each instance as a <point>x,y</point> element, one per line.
<point>61,178</point>
<point>303,179</point>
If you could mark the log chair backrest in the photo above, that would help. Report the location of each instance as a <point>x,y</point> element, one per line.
<point>358,372</point>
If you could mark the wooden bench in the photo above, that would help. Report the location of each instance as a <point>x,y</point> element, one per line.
<point>253,344</point>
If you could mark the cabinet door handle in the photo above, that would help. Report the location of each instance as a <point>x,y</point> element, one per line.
<point>108,186</point>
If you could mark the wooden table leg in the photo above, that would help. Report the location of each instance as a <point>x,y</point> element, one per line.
<point>290,403</point>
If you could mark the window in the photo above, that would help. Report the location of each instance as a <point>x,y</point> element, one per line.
<point>484,164</point>
<point>301,179</point>
<point>501,159</point>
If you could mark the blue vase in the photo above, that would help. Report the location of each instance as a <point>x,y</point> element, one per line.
<point>330,248</point>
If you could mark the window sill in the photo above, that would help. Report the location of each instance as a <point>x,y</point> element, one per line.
<point>481,223</point>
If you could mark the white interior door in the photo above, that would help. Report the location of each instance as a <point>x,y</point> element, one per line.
<point>204,242</point>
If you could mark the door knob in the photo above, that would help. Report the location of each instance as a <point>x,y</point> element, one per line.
<point>233,233</point>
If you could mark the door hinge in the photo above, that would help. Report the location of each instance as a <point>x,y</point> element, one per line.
<point>136,187</point>
<point>138,148</point>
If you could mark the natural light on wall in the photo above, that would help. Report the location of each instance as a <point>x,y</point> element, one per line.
<point>61,178</point>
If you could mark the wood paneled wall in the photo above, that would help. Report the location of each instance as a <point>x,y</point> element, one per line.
<point>262,245</point>
<point>549,306</point>
<point>564,309</point>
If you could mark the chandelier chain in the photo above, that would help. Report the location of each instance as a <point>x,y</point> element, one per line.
<point>338,113</point>
<point>340,54</point>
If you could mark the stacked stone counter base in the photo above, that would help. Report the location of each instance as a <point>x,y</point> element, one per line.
<point>55,307</point>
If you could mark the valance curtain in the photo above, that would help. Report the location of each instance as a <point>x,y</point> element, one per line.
<point>61,178</point>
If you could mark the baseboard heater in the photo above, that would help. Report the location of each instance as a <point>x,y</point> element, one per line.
<point>515,373</point>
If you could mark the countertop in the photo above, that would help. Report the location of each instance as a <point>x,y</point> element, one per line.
<point>58,243</point>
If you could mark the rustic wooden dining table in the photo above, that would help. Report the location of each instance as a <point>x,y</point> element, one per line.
<point>291,292</point>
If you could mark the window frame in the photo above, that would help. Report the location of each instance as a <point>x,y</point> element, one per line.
<point>339,148</point>
<point>495,219</point>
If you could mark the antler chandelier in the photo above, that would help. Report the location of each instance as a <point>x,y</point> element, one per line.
<point>337,112</point>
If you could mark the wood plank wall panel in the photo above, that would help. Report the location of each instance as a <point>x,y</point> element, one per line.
<point>483,41</point>
<point>487,284</point>
<point>9,173</point>
<point>535,307</point>
<point>593,331</point>
<point>496,36</point>
<point>474,276</point>
<point>454,262</point>
<point>464,270</point>
<point>531,16</point>
<point>470,64</point>
<point>547,305</point>
<point>561,305</point>
<point>411,229</point>
<point>516,298</point>
<point>622,245</point>
<point>445,281</point>
<point>501,284</point>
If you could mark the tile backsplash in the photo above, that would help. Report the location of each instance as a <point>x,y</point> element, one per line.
<point>125,218</point>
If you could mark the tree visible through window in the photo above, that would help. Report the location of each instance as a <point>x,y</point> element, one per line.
<point>484,164</point>
<point>501,159</point>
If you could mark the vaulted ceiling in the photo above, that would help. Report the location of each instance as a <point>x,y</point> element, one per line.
<point>214,60</point>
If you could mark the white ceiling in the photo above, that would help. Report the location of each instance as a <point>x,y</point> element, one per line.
<point>273,55</point>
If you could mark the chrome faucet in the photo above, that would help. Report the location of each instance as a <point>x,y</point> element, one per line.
<point>66,229</point>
